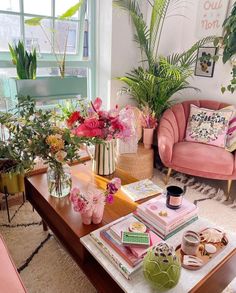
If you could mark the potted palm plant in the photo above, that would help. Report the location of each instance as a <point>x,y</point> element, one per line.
<point>159,77</point>
<point>44,87</point>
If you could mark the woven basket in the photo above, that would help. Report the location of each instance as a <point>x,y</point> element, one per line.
<point>139,165</point>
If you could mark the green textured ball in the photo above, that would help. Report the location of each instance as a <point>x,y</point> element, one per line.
<point>161,267</point>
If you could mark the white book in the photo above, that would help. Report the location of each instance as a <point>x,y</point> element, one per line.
<point>126,270</point>
<point>141,189</point>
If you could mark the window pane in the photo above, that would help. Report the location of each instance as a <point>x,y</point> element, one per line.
<point>36,38</point>
<point>63,6</point>
<point>10,5</point>
<point>54,71</point>
<point>66,30</point>
<point>9,30</point>
<point>42,7</point>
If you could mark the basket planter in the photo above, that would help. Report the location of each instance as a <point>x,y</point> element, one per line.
<point>48,87</point>
<point>14,182</point>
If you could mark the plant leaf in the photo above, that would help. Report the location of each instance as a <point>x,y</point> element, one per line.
<point>72,10</point>
<point>35,21</point>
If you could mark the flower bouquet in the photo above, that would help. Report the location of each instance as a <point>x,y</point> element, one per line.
<point>103,127</point>
<point>149,123</point>
<point>91,205</point>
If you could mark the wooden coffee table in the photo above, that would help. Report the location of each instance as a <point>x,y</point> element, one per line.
<point>66,224</point>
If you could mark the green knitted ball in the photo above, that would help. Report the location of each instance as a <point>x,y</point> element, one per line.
<point>161,267</point>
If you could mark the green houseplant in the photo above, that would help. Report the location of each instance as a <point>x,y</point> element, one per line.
<point>228,42</point>
<point>45,87</point>
<point>26,63</point>
<point>159,77</point>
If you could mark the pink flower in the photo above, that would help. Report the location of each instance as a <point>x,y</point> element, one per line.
<point>114,185</point>
<point>92,123</point>
<point>80,206</point>
<point>96,104</point>
<point>74,194</point>
<point>117,182</point>
<point>110,198</point>
<point>84,131</point>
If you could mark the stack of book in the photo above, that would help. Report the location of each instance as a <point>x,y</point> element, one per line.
<point>128,259</point>
<point>163,220</point>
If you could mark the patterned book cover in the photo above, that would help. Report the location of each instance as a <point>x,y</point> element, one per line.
<point>141,189</point>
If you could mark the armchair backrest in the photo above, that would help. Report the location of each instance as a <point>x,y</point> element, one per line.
<point>175,119</point>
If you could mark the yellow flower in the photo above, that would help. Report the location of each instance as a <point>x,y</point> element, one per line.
<point>55,142</point>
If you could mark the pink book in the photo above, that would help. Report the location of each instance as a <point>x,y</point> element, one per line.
<point>140,252</point>
<point>123,226</point>
<point>155,205</point>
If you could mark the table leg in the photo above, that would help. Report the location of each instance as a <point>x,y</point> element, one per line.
<point>45,226</point>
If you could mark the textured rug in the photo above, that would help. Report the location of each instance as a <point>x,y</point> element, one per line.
<point>44,265</point>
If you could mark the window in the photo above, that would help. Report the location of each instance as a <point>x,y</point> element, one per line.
<point>80,28</point>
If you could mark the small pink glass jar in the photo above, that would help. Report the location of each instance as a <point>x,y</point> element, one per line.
<point>190,243</point>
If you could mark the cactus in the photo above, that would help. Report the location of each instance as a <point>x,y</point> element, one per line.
<point>26,63</point>
<point>161,267</point>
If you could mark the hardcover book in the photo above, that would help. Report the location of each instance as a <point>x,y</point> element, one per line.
<point>156,205</point>
<point>141,189</point>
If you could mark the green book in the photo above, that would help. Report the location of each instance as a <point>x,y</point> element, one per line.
<point>135,238</point>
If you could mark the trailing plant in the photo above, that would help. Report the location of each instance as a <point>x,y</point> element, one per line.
<point>26,63</point>
<point>159,77</point>
<point>228,42</point>
<point>61,55</point>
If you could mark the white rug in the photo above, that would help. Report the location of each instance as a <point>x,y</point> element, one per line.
<point>46,268</point>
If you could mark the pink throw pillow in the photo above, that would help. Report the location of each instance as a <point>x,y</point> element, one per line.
<point>208,126</point>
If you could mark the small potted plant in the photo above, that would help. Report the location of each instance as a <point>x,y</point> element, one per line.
<point>45,86</point>
<point>91,205</point>
<point>149,123</point>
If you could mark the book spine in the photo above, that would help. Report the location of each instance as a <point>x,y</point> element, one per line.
<point>123,269</point>
<point>113,246</point>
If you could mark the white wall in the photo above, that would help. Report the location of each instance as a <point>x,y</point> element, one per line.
<point>178,35</point>
<point>210,88</point>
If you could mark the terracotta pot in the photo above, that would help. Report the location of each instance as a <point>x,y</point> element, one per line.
<point>14,182</point>
<point>148,137</point>
<point>98,213</point>
<point>87,217</point>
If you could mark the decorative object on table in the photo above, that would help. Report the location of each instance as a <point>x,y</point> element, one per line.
<point>131,163</point>
<point>157,78</point>
<point>208,126</point>
<point>141,189</point>
<point>130,145</point>
<point>164,220</point>
<point>101,127</point>
<point>25,62</point>
<point>190,243</point>
<point>197,249</point>
<point>161,267</point>
<point>149,123</point>
<point>42,138</point>
<point>205,62</point>
<point>174,196</point>
<point>135,239</point>
<point>60,57</point>
<point>91,204</point>
<point>227,42</point>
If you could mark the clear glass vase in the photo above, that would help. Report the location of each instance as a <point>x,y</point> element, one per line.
<point>59,180</point>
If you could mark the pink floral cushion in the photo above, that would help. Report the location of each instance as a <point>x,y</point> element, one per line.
<point>208,126</point>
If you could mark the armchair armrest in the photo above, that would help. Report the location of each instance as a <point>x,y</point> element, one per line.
<point>165,144</point>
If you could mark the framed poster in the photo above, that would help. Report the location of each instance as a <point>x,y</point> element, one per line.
<point>210,17</point>
<point>205,62</point>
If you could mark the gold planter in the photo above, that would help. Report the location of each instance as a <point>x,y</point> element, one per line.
<point>14,182</point>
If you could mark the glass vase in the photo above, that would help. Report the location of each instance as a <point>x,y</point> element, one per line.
<point>59,180</point>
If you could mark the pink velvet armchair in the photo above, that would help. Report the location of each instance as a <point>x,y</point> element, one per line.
<point>192,158</point>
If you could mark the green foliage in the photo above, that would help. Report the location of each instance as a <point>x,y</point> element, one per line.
<point>155,82</point>
<point>26,63</point>
<point>61,57</point>
<point>229,44</point>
